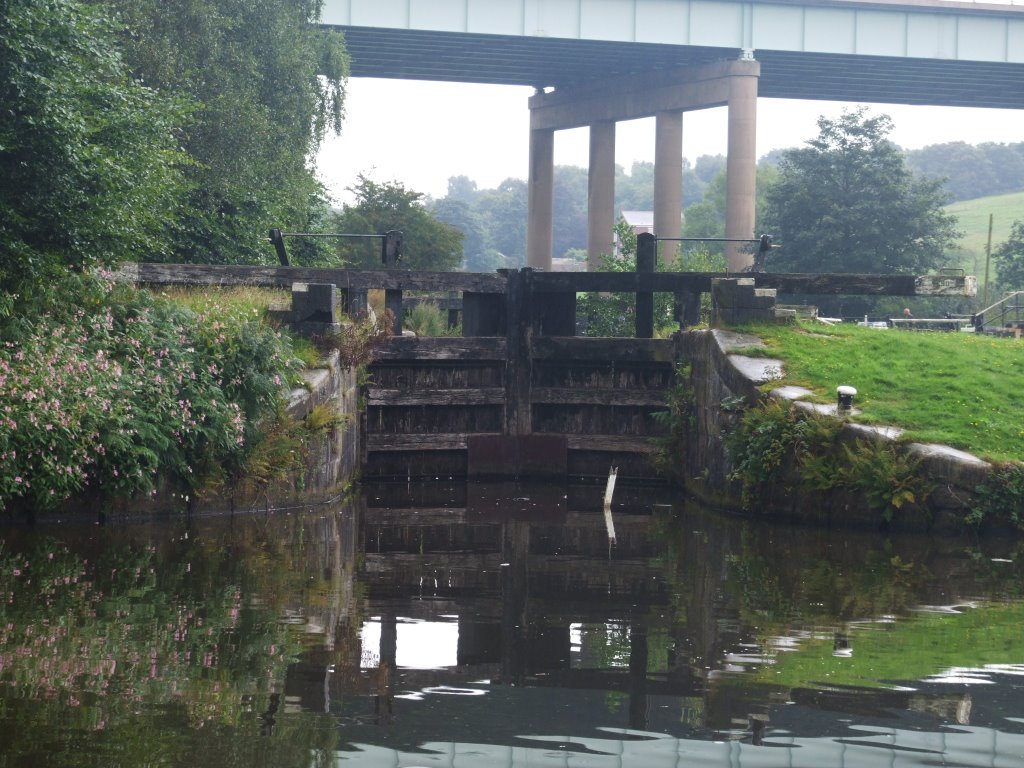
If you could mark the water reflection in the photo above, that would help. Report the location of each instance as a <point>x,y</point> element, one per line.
<point>482,625</point>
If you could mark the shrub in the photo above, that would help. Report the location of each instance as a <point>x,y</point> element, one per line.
<point>426,318</point>
<point>776,437</point>
<point>122,390</point>
<point>1001,497</point>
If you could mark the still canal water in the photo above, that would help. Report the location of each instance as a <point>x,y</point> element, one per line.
<point>455,625</point>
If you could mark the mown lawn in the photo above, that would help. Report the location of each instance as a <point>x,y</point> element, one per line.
<point>960,389</point>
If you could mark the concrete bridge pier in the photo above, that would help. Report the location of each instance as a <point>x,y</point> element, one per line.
<point>540,201</point>
<point>668,180</point>
<point>665,95</point>
<point>741,171</point>
<point>601,194</point>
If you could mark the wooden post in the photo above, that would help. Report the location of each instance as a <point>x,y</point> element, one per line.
<point>646,258</point>
<point>483,314</point>
<point>519,330</point>
<point>393,302</point>
<point>687,308</point>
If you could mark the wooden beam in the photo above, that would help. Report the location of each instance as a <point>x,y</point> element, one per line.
<point>583,396</point>
<point>613,443</point>
<point>579,349</point>
<point>443,397</point>
<point>483,348</point>
<point>348,279</point>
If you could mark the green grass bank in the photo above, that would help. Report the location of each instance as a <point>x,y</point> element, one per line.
<point>959,389</point>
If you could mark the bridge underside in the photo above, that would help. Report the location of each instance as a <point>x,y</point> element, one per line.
<point>559,62</point>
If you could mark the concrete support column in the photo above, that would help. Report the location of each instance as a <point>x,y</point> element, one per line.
<point>541,199</point>
<point>668,180</point>
<point>601,194</point>
<point>741,170</point>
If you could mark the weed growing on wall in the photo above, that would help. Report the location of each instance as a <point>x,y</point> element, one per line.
<point>776,443</point>
<point>678,421</point>
<point>356,342</point>
<point>761,447</point>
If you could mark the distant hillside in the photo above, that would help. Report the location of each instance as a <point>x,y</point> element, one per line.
<point>973,216</point>
<point>971,171</point>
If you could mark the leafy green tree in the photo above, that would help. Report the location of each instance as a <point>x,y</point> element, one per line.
<point>503,211</point>
<point>268,83</point>
<point>458,213</point>
<point>848,203</point>
<point>90,172</point>
<point>429,243</point>
<point>570,209</point>
<point>1009,257</point>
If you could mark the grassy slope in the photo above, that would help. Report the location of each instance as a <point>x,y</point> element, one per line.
<point>973,216</point>
<point>959,389</point>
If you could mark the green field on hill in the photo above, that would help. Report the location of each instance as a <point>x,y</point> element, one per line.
<point>958,389</point>
<point>974,216</point>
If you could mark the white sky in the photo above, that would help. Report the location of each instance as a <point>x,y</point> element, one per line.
<point>422,133</point>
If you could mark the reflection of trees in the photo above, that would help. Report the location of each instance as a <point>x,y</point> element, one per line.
<point>122,656</point>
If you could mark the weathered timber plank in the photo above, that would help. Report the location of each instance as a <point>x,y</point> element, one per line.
<point>580,349</point>
<point>584,396</point>
<point>613,443</point>
<point>519,367</point>
<point>424,442</point>
<point>349,279</point>
<point>623,282</point>
<point>487,396</point>
<point>546,282</point>
<point>946,285</point>
<point>869,285</point>
<point>794,283</point>
<point>442,348</point>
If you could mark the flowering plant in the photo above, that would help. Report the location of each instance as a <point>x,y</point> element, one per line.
<point>125,389</point>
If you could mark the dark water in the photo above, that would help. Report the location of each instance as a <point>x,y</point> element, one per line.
<point>497,626</point>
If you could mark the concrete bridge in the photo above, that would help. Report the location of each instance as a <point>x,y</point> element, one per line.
<point>597,62</point>
<point>519,393</point>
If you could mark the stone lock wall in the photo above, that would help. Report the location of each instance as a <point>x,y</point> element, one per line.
<point>720,376</point>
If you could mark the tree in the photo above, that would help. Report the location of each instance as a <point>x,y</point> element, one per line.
<point>267,83</point>
<point>429,244</point>
<point>570,209</point>
<point>1009,257</point>
<point>503,211</point>
<point>848,203</point>
<point>89,167</point>
<point>459,214</point>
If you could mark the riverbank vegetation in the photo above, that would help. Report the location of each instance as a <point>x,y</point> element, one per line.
<point>169,131</point>
<point>122,393</point>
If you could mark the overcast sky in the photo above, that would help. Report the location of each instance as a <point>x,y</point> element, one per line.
<point>421,133</point>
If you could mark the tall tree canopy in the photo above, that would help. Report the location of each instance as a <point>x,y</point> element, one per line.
<point>90,172</point>
<point>429,243</point>
<point>267,83</point>
<point>847,203</point>
<point>1009,258</point>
